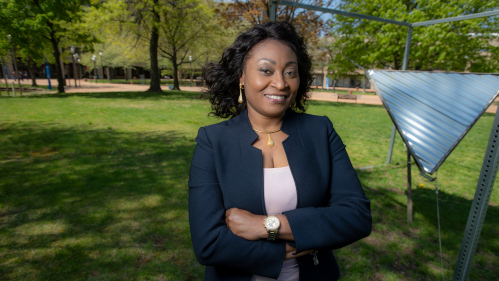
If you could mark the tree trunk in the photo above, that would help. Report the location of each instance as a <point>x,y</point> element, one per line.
<point>57,57</point>
<point>153,53</point>
<point>5,77</point>
<point>175,73</point>
<point>32,71</point>
<point>32,74</point>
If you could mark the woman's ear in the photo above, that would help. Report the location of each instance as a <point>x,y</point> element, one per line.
<point>241,80</point>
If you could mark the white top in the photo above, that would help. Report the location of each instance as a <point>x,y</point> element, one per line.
<point>280,196</point>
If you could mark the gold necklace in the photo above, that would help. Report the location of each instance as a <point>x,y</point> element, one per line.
<point>270,142</point>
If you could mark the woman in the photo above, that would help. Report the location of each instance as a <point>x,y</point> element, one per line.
<point>271,190</point>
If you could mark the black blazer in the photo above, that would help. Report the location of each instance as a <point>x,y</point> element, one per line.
<point>227,171</point>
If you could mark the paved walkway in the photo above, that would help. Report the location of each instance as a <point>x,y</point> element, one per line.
<point>111,87</point>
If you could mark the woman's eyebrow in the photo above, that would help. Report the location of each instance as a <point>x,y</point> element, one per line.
<point>269,60</point>
<point>273,62</point>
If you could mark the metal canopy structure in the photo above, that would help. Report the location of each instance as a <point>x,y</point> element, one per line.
<point>409,25</point>
<point>491,158</point>
<point>433,111</point>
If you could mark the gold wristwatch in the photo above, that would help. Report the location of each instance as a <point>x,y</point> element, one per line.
<point>272,224</point>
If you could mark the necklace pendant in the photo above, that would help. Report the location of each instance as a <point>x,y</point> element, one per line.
<point>270,142</point>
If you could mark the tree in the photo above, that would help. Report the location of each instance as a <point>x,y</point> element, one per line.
<point>450,46</point>
<point>52,21</point>
<point>188,29</point>
<point>120,38</point>
<point>135,20</point>
<point>308,23</point>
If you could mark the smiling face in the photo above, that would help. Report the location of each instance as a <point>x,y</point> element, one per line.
<point>270,78</point>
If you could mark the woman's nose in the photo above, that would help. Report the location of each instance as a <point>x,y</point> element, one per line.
<point>278,82</point>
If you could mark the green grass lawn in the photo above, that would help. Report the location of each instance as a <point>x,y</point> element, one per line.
<point>343,92</point>
<point>94,187</point>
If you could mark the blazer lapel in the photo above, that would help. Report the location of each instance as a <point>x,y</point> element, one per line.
<point>250,163</point>
<point>302,166</point>
<point>293,147</point>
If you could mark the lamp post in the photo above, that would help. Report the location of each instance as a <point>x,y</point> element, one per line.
<point>74,63</point>
<point>95,70</point>
<point>76,58</point>
<point>190,66</point>
<point>101,67</point>
<point>15,65</point>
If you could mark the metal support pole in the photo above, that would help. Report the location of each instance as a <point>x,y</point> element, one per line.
<point>404,67</point>
<point>409,191</point>
<point>273,8</point>
<point>409,188</point>
<point>479,206</point>
<point>343,13</point>
<point>5,76</point>
<point>190,66</point>
<point>407,49</point>
<point>390,150</point>
<point>95,73</point>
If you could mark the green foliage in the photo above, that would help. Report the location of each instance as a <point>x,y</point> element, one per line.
<point>37,26</point>
<point>454,46</point>
<point>33,22</point>
<point>121,41</point>
<point>190,28</point>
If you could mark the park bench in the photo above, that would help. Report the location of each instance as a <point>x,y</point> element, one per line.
<point>348,96</point>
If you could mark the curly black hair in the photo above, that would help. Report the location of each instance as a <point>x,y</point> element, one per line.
<point>222,78</point>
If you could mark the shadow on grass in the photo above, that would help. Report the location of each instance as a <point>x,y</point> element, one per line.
<point>84,204</point>
<point>399,251</point>
<point>78,203</point>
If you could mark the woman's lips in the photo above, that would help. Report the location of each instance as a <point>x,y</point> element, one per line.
<point>276,98</point>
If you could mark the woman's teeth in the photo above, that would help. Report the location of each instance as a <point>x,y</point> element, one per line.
<point>276,97</point>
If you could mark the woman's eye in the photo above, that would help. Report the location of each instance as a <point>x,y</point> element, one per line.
<point>266,71</point>
<point>290,73</point>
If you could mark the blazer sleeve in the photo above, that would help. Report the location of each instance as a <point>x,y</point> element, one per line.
<point>213,242</point>
<point>346,219</point>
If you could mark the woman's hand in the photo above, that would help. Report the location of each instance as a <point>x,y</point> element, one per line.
<point>245,224</point>
<point>290,250</point>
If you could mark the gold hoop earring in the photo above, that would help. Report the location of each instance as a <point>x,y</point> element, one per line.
<point>241,87</point>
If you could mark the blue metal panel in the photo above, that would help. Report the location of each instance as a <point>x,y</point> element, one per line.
<point>433,111</point>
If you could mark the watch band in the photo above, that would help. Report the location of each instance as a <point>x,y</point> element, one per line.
<point>272,235</point>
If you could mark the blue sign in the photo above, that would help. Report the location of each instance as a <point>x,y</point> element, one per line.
<point>327,83</point>
<point>47,70</point>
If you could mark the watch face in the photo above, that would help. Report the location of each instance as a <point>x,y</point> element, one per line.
<point>272,223</point>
